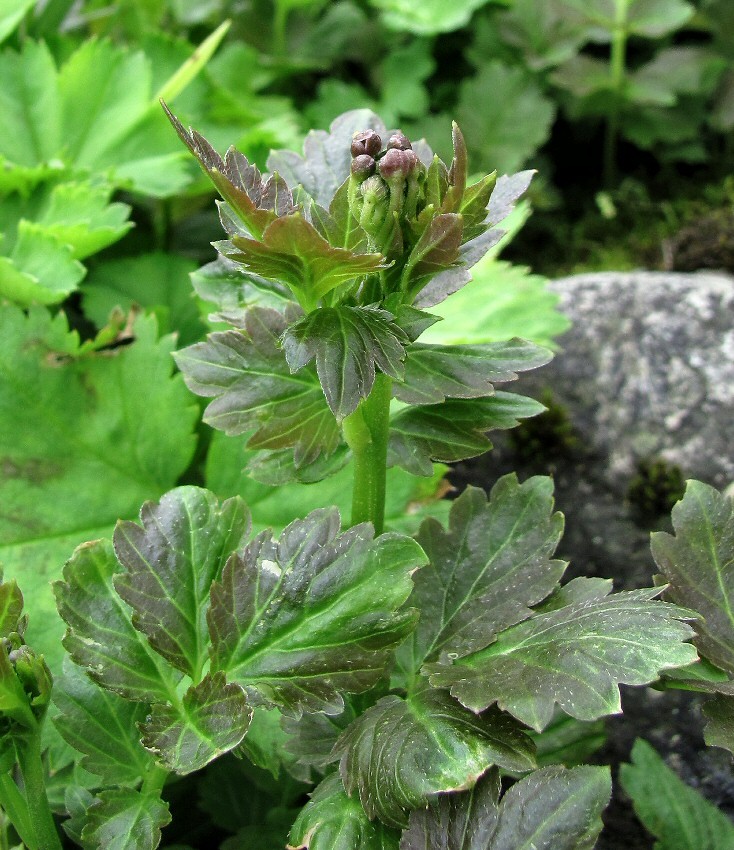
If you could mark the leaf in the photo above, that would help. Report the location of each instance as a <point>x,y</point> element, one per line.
<point>293,252</point>
<point>486,570</point>
<point>719,731</point>
<point>12,13</point>
<point>101,725</point>
<point>551,809</point>
<point>672,811</point>
<point>124,819</point>
<point>93,448</point>
<point>452,431</point>
<point>169,563</point>
<point>333,821</point>
<point>157,282</point>
<point>437,248</point>
<point>348,343</point>
<point>213,718</point>
<point>401,752</point>
<point>254,389</point>
<point>283,613</point>
<point>575,656</point>
<point>698,566</point>
<point>428,18</point>
<point>517,124</point>
<point>433,372</point>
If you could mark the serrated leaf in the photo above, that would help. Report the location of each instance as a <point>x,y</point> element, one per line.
<point>283,612</point>
<point>80,446</point>
<point>293,252</point>
<point>100,635</point>
<point>719,730</point>
<point>551,809</point>
<point>437,248</point>
<point>124,819</point>
<point>333,821</point>
<point>401,752</point>
<point>103,726</point>
<point>254,389</point>
<point>429,17</point>
<point>435,372</point>
<point>349,344</point>
<point>575,656</point>
<point>673,812</point>
<point>486,570</point>
<point>452,431</point>
<point>650,18</point>
<point>11,608</point>
<point>212,719</point>
<point>169,563</point>
<point>698,565</point>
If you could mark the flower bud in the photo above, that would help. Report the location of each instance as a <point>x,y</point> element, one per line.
<point>363,166</point>
<point>399,141</point>
<point>396,163</point>
<point>366,142</point>
<point>375,202</point>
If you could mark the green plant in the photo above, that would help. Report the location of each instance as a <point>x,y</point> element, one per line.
<point>389,671</point>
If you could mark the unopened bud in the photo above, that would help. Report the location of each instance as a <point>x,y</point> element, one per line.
<point>363,166</point>
<point>375,204</point>
<point>367,142</point>
<point>397,162</point>
<point>399,141</point>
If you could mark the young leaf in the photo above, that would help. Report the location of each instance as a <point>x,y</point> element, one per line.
<point>429,17</point>
<point>295,622</point>
<point>672,811</point>
<point>485,572</point>
<point>124,819</point>
<point>454,430</point>
<point>212,719</point>
<point>254,389</point>
<point>169,563</point>
<point>437,248</point>
<point>333,821</point>
<point>698,565</point>
<point>103,726</point>
<point>348,343</point>
<point>401,752</point>
<point>551,809</point>
<point>434,372</point>
<point>575,656</point>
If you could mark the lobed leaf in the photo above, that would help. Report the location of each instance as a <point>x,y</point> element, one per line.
<point>401,752</point>
<point>575,656</point>
<point>437,248</point>
<point>348,343</point>
<point>719,730</point>
<point>124,819</point>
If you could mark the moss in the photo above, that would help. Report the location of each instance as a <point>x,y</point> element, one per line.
<point>654,489</point>
<point>544,438</point>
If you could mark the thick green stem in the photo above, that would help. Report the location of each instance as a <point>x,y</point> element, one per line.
<point>366,432</point>
<point>44,833</point>
<point>618,67</point>
<point>154,780</point>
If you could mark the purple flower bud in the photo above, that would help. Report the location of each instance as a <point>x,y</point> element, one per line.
<point>399,141</point>
<point>366,142</point>
<point>397,162</point>
<point>363,166</point>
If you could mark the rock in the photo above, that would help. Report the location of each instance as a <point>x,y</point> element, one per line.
<point>647,370</point>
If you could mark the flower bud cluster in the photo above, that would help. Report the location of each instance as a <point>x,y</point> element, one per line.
<point>385,185</point>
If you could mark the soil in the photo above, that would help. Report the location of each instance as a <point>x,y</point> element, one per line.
<point>604,537</point>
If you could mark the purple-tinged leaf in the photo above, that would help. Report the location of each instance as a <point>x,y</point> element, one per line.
<point>452,201</point>
<point>506,191</point>
<point>124,819</point>
<point>437,248</point>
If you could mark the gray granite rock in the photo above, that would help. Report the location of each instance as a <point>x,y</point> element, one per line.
<point>647,369</point>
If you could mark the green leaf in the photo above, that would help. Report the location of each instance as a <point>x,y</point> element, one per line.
<point>575,656</point>
<point>437,248</point>
<point>11,608</point>
<point>293,252</point>
<point>486,570</point>
<point>254,390</point>
<point>124,819</point>
<point>157,282</point>
<point>429,17</point>
<point>501,301</point>
<point>283,614</point>
<point>698,566</point>
<point>672,811</point>
<point>93,446</point>
<point>551,809</point>
<point>212,719</point>
<point>719,731</point>
<point>348,343</point>
<point>169,563</point>
<point>333,821</point>
<point>12,13</point>
<point>103,726</point>
<point>568,741</point>
<point>401,752</point>
<point>452,431</point>
<point>434,372</point>
<point>518,122</point>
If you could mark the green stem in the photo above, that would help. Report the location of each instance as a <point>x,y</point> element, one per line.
<point>154,780</point>
<point>15,807</point>
<point>280,20</point>
<point>43,828</point>
<point>366,432</point>
<point>618,67</point>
